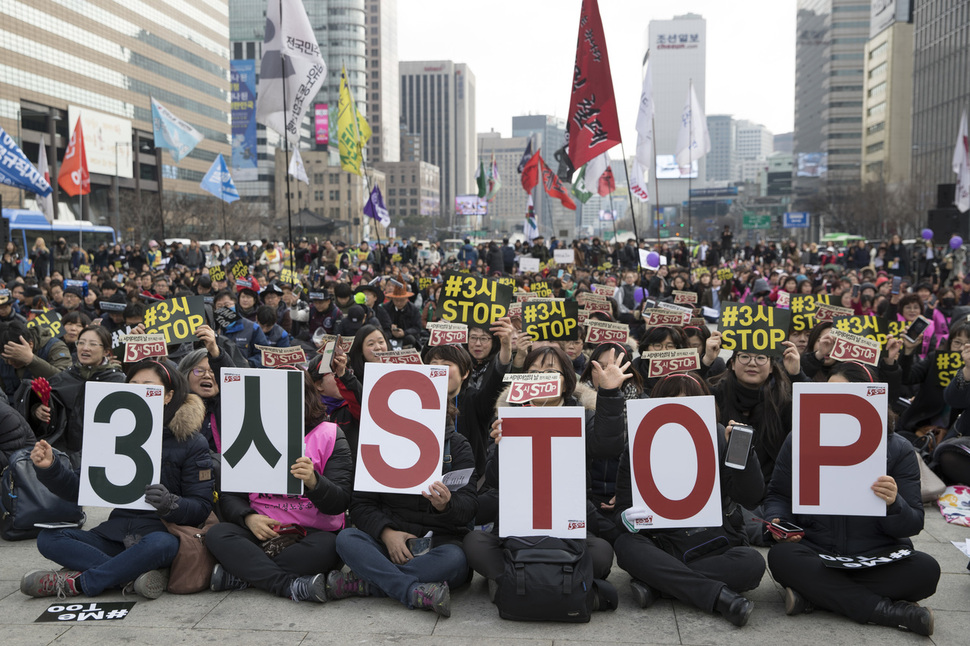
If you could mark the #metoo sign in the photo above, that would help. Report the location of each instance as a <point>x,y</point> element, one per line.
<point>838,448</point>
<point>685,492</point>
<point>542,459</point>
<point>402,428</point>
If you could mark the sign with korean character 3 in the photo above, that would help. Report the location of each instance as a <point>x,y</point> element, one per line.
<point>550,320</point>
<point>753,328</point>
<point>402,428</point>
<point>176,318</point>
<point>474,301</point>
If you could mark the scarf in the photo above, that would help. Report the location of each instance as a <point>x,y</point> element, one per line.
<point>331,403</point>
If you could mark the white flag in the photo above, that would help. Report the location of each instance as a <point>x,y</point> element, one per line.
<point>289,38</point>
<point>531,229</point>
<point>595,168</point>
<point>961,166</point>
<point>46,204</point>
<point>693,141</point>
<point>645,123</point>
<point>297,169</point>
<point>638,185</point>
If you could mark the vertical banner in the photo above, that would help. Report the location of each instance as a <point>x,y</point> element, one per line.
<point>685,492</point>
<point>838,448</point>
<point>321,123</point>
<point>402,428</point>
<point>244,160</point>
<point>541,451</point>
<point>262,430</point>
<point>122,449</point>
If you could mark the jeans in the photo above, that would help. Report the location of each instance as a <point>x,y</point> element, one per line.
<point>106,564</point>
<point>368,558</point>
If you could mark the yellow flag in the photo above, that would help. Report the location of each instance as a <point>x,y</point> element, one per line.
<point>352,133</point>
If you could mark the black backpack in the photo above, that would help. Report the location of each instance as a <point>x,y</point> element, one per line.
<point>25,500</point>
<point>545,579</point>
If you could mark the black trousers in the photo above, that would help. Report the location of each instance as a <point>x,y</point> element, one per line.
<point>698,582</point>
<point>853,593</point>
<point>483,551</point>
<point>239,552</point>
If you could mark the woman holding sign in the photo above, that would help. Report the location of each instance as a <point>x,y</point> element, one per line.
<point>128,549</point>
<point>884,590</point>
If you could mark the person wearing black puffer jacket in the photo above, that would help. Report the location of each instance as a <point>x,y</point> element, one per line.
<point>15,433</point>
<point>133,544</point>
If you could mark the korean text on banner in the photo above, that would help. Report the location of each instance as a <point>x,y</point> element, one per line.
<point>262,430</point>
<point>838,445</point>
<point>753,328</point>
<point>242,74</point>
<point>122,449</point>
<point>674,493</point>
<point>176,318</point>
<point>402,428</point>
<point>541,451</point>
<point>564,256</point>
<point>474,301</point>
<point>550,320</point>
<point>528,265</point>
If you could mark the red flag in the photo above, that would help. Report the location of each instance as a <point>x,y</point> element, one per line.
<point>592,127</point>
<point>606,183</point>
<point>530,173</point>
<point>74,177</point>
<point>553,186</point>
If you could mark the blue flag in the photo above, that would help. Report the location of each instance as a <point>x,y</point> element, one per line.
<point>375,207</point>
<point>171,132</point>
<point>17,171</point>
<point>219,182</point>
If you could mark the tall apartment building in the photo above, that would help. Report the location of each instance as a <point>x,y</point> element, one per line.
<point>754,141</point>
<point>106,59</point>
<point>413,194</point>
<point>940,90</point>
<point>831,36</point>
<point>383,82</point>
<point>548,135</point>
<point>722,160</point>
<point>438,103</point>
<point>506,213</point>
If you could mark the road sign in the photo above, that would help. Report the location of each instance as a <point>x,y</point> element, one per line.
<point>756,221</point>
<point>796,220</point>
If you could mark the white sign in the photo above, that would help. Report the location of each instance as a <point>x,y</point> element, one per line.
<point>564,256</point>
<point>838,448</point>
<point>261,429</point>
<point>541,452</point>
<point>685,492</point>
<point>122,449</point>
<point>528,265</point>
<point>402,428</point>
<point>107,141</point>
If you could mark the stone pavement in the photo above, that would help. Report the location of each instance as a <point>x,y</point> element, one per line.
<point>254,617</point>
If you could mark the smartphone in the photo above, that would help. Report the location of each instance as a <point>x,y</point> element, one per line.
<point>855,291</point>
<point>738,446</point>
<point>419,546</point>
<point>932,302</point>
<point>783,529</point>
<point>919,325</point>
<point>897,282</point>
<point>56,525</point>
<point>290,528</point>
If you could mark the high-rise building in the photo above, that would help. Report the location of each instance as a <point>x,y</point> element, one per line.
<point>383,82</point>
<point>413,194</point>
<point>722,160</point>
<point>677,52</point>
<point>106,60</point>
<point>887,134</point>
<point>506,213</point>
<point>410,144</point>
<point>438,102</point>
<point>940,90</point>
<point>829,81</point>
<point>548,135</point>
<point>783,142</point>
<point>754,141</point>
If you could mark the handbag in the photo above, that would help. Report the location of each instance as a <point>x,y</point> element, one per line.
<point>25,500</point>
<point>192,568</point>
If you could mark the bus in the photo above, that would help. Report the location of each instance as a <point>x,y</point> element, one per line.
<point>26,226</point>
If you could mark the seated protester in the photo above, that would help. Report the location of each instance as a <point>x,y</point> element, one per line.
<point>323,314</point>
<point>376,551</point>
<point>369,340</point>
<point>708,345</point>
<point>338,410</point>
<point>15,433</point>
<point>910,308</point>
<point>7,312</point>
<point>951,458</point>
<point>604,438</point>
<point>29,352</point>
<point>343,295</point>
<point>72,300</point>
<point>373,297</point>
<point>162,288</point>
<point>73,324</point>
<point>799,338</point>
<point>482,348</point>
<point>706,568</point>
<point>272,296</point>
<point>243,332</point>
<point>128,550</point>
<point>656,339</point>
<point>114,319</point>
<point>885,595</point>
<point>928,407</point>
<point>574,350</point>
<point>248,300</point>
<point>475,405</point>
<point>817,365</point>
<point>250,546</point>
<point>276,335</point>
<point>405,317</point>
<point>355,318</point>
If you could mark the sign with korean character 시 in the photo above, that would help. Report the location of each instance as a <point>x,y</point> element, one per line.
<point>447,334</point>
<point>217,273</point>
<point>273,357</point>
<point>261,429</point>
<point>176,318</point>
<point>803,308</point>
<point>606,332</point>
<point>665,362</point>
<point>144,346</point>
<point>758,329</point>
<point>50,320</point>
<point>541,289</point>
<point>853,347</point>
<point>473,300</point>
<point>526,387</point>
<point>549,320</point>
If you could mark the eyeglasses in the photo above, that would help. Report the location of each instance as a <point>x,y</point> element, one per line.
<point>956,345</point>
<point>479,339</point>
<point>656,347</point>
<point>545,372</point>
<point>89,344</point>
<point>758,359</point>
<point>199,372</point>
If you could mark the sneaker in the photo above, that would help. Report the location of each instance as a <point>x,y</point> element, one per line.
<point>222,580</point>
<point>150,585</point>
<point>796,604</point>
<point>432,596</point>
<point>309,588</point>
<point>48,583</point>
<point>341,584</point>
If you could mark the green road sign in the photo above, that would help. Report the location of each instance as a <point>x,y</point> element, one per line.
<point>751,221</point>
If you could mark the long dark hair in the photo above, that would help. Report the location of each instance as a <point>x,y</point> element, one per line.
<point>624,350</point>
<point>355,356</point>
<point>172,380</point>
<point>538,355</point>
<point>774,401</point>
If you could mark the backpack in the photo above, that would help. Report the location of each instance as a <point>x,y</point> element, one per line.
<point>25,500</point>
<point>545,579</point>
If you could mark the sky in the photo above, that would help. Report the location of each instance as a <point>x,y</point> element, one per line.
<point>522,52</point>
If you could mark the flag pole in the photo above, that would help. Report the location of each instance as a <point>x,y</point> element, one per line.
<point>690,161</point>
<point>656,180</point>
<point>286,155</point>
<point>633,213</point>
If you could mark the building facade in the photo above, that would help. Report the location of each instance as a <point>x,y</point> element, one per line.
<point>506,213</point>
<point>722,160</point>
<point>383,82</point>
<point>413,195</point>
<point>755,142</point>
<point>104,61</point>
